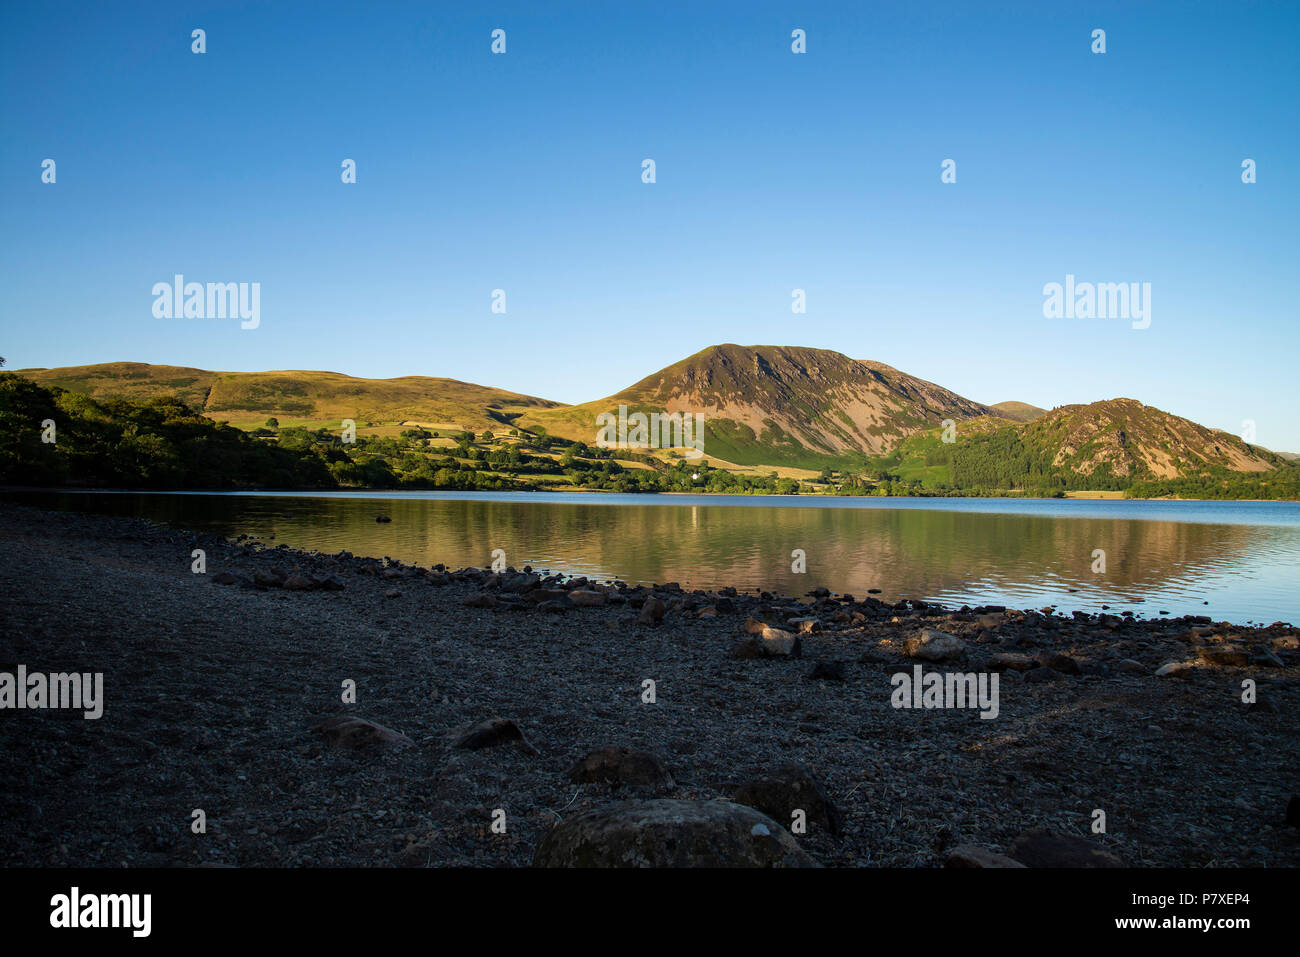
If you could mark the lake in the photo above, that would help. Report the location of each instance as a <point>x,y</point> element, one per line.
<point>1234,561</point>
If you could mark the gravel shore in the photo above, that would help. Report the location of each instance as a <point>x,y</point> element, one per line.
<point>213,693</point>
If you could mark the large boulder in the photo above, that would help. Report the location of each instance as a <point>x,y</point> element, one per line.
<point>670,833</point>
<point>790,788</point>
<point>618,765</point>
<point>1226,656</point>
<point>652,612</point>
<point>349,731</point>
<point>972,856</point>
<point>1043,848</point>
<point>931,645</point>
<point>770,643</point>
<point>490,733</point>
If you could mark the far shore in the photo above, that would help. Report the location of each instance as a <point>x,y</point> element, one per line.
<point>571,490</point>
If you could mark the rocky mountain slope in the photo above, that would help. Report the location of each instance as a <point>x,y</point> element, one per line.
<point>777,404</point>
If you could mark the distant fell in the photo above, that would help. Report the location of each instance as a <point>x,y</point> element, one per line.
<point>296,394</point>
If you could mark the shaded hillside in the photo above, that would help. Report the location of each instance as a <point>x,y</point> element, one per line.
<point>52,437</point>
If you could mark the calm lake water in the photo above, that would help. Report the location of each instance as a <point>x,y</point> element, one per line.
<point>1235,561</point>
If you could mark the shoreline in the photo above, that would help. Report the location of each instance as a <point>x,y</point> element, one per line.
<point>212,691</point>
<point>1065,497</point>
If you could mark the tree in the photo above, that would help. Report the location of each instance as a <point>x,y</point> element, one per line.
<point>273,423</point>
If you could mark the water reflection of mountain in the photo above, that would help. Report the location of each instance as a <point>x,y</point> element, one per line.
<point>905,552</point>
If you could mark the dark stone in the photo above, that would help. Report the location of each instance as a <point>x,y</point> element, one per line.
<point>349,731</point>
<point>492,732</point>
<point>827,671</point>
<point>652,612</point>
<point>670,833</point>
<point>1059,662</point>
<point>1043,848</point>
<point>1041,674</point>
<point>973,856</point>
<point>791,787</point>
<point>620,765</point>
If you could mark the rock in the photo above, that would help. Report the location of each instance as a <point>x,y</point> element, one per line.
<point>298,583</point>
<point>392,593</point>
<point>554,607</point>
<point>1287,642</point>
<point>652,612</point>
<point>481,600</point>
<point>1008,661</point>
<point>827,671</point>
<point>931,645</point>
<point>1059,662</point>
<point>349,731</point>
<point>619,765</point>
<point>1263,658</point>
<point>669,833</point>
<point>520,582</point>
<point>708,611</point>
<point>753,626</point>
<point>972,855</point>
<point>805,626</point>
<point>586,598</point>
<point>382,518</point>
<point>770,643</point>
<point>1043,848</point>
<point>331,584</point>
<point>790,788</point>
<point>1176,669</point>
<point>1128,666</point>
<point>224,578</point>
<point>1041,674</point>
<point>272,579</point>
<point>490,733</point>
<point>1230,656</point>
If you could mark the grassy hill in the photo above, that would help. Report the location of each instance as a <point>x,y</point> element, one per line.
<point>1018,411</point>
<point>248,399</point>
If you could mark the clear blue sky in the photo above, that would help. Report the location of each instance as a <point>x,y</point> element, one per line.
<point>775,171</point>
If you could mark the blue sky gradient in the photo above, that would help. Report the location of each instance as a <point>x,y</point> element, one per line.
<point>775,171</point>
